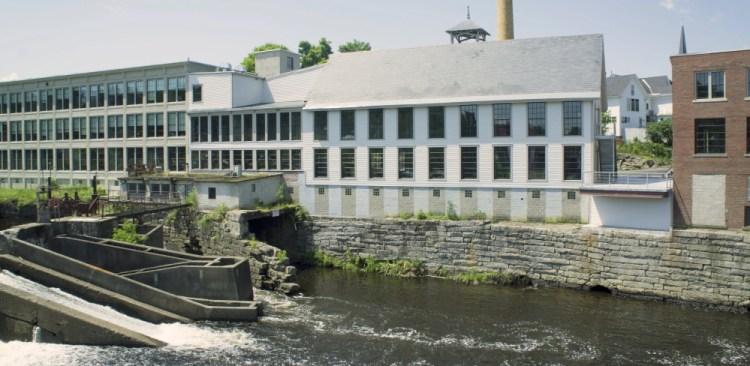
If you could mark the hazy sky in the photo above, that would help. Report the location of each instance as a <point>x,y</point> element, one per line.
<point>55,37</point>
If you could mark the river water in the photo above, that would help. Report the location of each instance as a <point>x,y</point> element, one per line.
<point>350,318</point>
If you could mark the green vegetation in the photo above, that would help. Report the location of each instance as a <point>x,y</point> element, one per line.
<point>314,55</point>
<point>404,215</point>
<point>660,132</point>
<point>606,121</point>
<point>479,215</point>
<point>502,278</point>
<point>647,150</point>
<point>127,232</point>
<point>22,197</point>
<point>216,216</point>
<point>281,256</point>
<point>301,214</point>
<point>421,215</point>
<point>352,263</point>
<point>191,198</point>
<point>450,211</point>
<point>354,46</point>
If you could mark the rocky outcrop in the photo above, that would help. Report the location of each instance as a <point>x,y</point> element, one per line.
<point>269,266</point>
<point>627,162</point>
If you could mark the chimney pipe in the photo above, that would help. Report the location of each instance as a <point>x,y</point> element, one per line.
<point>504,19</point>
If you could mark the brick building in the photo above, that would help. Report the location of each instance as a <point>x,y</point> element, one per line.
<point>711,156</point>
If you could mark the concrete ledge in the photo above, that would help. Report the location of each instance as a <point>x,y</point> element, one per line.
<point>22,311</point>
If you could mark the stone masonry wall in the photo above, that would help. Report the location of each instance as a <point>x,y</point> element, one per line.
<point>688,265</point>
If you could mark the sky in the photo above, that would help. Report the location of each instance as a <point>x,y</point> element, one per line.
<point>57,37</point>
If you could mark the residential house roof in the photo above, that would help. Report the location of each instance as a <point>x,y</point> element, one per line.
<point>657,85</point>
<point>616,84</point>
<point>555,67</point>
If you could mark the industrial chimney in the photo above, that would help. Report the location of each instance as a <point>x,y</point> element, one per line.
<point>504,19</point>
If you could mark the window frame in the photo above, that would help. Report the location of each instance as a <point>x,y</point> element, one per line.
<point>376,169</point>
<point>197,92</point>
<point>348,163</point>
<point>320,163</point>
<point>405,163</point>
<point>348,125</point>
<point>467,172</point>
<point>320,126</point>
<point>435,168</point>
<point>531,151</point>
<point>436,122</point>
<point>702,138</point>
<point>499,166</point>
<point>573,118</point>
<point>576,174</point>
<point>501,126</point>
<point>375,124</point>
<point>710,80</point>
<point>405,123</point>
<point>533,120</point>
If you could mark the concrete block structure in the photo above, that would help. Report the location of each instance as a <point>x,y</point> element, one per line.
<point>712,139</point>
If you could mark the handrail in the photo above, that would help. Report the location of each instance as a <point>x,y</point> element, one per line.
<point>635,180</point>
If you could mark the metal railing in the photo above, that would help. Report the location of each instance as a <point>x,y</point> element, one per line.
<point>630,180</point>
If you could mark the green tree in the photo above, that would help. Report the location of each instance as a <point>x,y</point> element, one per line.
<point>249,62</point>
<point>313,55</point>
<point>607,120</point>
<point>660,132</point>
<point>128,233</point>
<point>354,46</point>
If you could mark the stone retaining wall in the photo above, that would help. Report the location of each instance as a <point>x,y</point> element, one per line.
<point>268,269</point>
<point>686,265</point>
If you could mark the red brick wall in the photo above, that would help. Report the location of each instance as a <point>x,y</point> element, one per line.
<point>735,164</point>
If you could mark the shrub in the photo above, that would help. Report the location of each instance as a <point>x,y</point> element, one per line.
<point>281,255</point>
<point>403,215</point>
<point>127,232</point>
<point>191,198</point>
<point>450,211</point>
<point>421,214</point>
<point>479,215</point>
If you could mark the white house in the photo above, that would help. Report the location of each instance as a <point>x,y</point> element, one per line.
<point>634,102</point>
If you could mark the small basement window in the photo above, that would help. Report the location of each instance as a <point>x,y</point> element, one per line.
<point>212,193</point>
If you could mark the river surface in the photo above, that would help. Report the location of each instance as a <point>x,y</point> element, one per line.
<point>350,318</point>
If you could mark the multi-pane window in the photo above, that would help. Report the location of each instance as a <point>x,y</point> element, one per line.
<point>468,121</point>
<point>197,93</point>
<point>97,96</point>
<point>155,125</point>
<point>62,98</point>
<point>96,159</point>
<point>501,116</point>
<point>436,163</point>
<point>78,128</point>
<point>709,84</point>
<point>436,120</point>
<point>537,163</point>
<point>537,119</point>
<point>176,89</point>
<point>468,162</point>
<point>46,129</point>
<point>114,127</point>
<point>236,158</point>
<point>16,159</point>
<point>375,157</point>
<point>16,102</point>
<point>155,91</point>
<point>46,159</point>
<point>62,159</point>
<point>296,126</point>
<point>3,159</point>
<point>320,163</point>
<point>29,130</point>
<point>199,159</point>
<point>176,158</point>
<point>272,160</point>
<point>30,160</point>
<point>297,159</point>
<point>405,163</point>
<point>247,162</point>
<point>96,127</point>
<point>214,128</point>
<point>46,100</point>
<point>260,127</point>
<point>79,160</point>
<point>115,94</point>
<point>247,125</point>
<point>237,127</point>
<point>572,119</point>
<point>3,103</point>
<point>375,124</point>
<point>271,123</point>
<point>260,160</point>
<point>710,136</point>
<point>62,129</point>
<point>284,160</point>
<point>30,101</point>
<point>501,156</point>
<point>347,125</point>
<point>320,122</point>
<point>176,124</point>
<point>405,123</point>
<point>284,131</point>
<point>634,105</point>
<point>572,163</point>
<point>135,92</point>
<point>3,131</point>
<point>16,131</point>
<point>135,125</point>
<point>155,156</point>
<point>348,167</point>
<point>80,97</point>
<point>134,156</point>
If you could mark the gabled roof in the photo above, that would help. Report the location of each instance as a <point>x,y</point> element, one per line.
<point>657,85</point>
<point>556,67</point>
<point>291,86</point>
<point>616,84</point>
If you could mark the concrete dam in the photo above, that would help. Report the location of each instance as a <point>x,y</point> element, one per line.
<point>151,284</point>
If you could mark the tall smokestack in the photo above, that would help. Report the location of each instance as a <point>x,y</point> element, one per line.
<point>504,19</point>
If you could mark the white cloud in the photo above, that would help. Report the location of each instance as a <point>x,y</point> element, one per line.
<point>668,4</point>
<point>10,77</point>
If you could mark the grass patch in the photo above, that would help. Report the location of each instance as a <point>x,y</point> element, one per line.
<point>494,278</point>
<point>352,263</point>
<point>128,233</point>
<point>216,216</point>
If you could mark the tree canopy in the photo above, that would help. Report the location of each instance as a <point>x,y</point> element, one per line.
<point>660,132</point>
<point>249,62</point>
<point>313,55</point>
<point>354,46</point>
